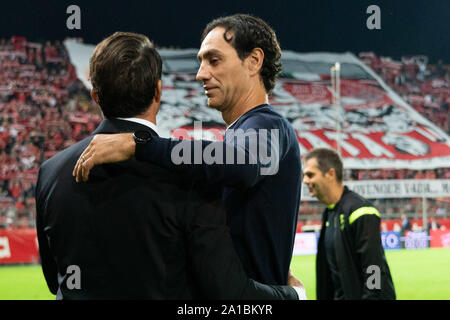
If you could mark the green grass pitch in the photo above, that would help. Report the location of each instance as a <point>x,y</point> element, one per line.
<point>422,274</point>
<point>417,274</point>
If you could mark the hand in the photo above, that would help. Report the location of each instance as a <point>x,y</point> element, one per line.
<point>297,285</point>
<point>104,148</point>
<point>293,281</point>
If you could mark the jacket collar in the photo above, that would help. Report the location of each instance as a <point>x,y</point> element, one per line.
<point>121,126</point>
<point>332,206</point>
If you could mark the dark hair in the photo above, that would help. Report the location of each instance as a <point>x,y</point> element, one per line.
<point>327,159</point>
<point>124,71</point>
<point>248,33</point>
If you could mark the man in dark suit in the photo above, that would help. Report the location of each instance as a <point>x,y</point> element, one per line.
<point>135,230</point>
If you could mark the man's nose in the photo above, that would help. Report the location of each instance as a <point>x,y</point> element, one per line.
<point>202,73</point>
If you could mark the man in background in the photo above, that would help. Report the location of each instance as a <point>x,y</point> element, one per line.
<point>350,260</point>
<point>406,224</point>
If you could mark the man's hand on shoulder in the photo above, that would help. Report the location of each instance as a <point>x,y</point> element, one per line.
<point>104,148</point>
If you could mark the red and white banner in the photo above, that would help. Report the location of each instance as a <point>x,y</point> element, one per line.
<point>379,128</point>
<point>440,238</point>
<point>18,246</point>
<point>79,54</point>
<point>305,243</point>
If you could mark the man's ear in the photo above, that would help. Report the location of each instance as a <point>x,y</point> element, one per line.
<point>94,96</point>
<point>331,174</point>
<point>255,60</point>
<point>158,92</point>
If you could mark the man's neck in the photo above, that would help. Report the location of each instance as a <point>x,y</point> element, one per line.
<point>151,119</point>
<point>334,195</point>
<point>149,115</point>
<point>143,121</point>
<point>255,98</point>
<point>148,119</point>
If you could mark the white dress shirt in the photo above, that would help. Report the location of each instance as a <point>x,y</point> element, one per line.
<point>144,122</point>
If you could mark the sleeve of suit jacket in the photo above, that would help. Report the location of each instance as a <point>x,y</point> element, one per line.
<point>235,162</point>
<point>49,267</point>
<point>215,265</point>
<point>163,151</point>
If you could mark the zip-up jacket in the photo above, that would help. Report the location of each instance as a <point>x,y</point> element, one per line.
<point>360,260</point>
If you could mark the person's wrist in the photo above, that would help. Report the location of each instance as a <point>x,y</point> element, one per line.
<point>301,292</point>
<point>131,146</point>
<point>140,140</point>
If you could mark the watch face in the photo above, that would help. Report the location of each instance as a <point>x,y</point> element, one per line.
<point>142,135</point>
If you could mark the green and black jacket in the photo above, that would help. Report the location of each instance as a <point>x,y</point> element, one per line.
<point>357,246</point>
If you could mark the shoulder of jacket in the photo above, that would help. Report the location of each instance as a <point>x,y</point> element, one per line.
<point>352,201</point>
<point>355,206</point>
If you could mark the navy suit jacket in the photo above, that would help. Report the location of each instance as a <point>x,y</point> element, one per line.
<point>261,195</point>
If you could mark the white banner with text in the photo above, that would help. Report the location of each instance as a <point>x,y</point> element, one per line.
<point>389,189</point>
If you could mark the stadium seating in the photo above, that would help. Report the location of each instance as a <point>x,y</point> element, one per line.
<point>43,109</point>
<point>425,87</point>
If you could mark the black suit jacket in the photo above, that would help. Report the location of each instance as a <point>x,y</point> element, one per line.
<point>136,231</point>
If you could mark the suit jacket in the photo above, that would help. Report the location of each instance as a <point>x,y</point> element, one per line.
<point>261,198</point>
<point>357,249</point>
<point>136,231</point>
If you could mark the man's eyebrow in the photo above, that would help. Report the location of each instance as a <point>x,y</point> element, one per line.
<point>208,54</point>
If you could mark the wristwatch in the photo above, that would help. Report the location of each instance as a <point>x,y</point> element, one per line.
<point>141,138</point>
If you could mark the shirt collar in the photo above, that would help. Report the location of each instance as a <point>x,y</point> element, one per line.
<point>233,123</point>
<point>144,122</point>
<point>261,105</point>
<point>332,206</point>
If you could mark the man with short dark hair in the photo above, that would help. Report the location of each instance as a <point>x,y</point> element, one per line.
<point>137,70</point>
<point>240,59</point>
<point>350,261</point>
<point>135,230</point>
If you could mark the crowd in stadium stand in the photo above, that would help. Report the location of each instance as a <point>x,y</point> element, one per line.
<point>44,108</point>
<point>425,87</point>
